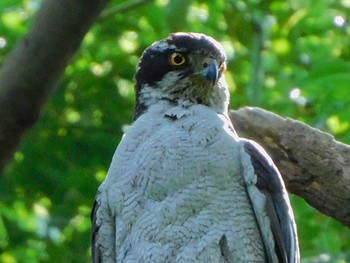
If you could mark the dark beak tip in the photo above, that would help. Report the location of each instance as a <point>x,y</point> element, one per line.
<point>212,73</point>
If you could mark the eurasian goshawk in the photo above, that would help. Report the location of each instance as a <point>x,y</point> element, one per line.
<point>182,186</point>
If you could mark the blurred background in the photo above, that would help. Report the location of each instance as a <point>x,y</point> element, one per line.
<point>289,57</point>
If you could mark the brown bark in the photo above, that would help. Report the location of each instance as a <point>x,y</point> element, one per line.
<point>313,164</point>
<point>30,73</point>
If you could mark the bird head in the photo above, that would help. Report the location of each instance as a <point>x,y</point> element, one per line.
<point>183,69</point>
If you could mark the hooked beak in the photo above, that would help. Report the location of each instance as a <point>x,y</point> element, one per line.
<point>210,71</point>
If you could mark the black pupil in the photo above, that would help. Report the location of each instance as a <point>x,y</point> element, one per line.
<point>178,59</point>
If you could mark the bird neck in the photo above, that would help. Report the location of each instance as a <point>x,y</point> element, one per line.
<point>167,103</point>
<point>216,98</point>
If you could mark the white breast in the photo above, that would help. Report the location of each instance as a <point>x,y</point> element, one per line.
<point>176,191</point>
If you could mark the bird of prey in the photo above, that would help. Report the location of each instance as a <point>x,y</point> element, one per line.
<point>182,186</point>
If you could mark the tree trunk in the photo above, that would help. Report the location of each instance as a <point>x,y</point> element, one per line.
<point>31,72</point>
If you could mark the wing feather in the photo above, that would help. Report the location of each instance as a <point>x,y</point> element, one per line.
<point>95,228</point>
<point>269,182</point>
<point>103,230</point>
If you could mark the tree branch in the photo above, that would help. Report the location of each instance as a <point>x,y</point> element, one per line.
<point>122,8</point>
<point>254,89</point>
<point>313,164</point>
<point>31,72</point>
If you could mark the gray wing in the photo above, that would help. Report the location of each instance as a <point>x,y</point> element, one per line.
<point>270,184</point>
<point>96,258</point>
<point>103,230</point>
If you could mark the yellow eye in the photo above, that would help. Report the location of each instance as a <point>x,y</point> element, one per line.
<point>177,59</point>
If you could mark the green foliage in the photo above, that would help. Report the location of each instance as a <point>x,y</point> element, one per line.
<point>291,57</point>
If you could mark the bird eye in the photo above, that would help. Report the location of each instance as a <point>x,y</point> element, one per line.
<point>177,59</point>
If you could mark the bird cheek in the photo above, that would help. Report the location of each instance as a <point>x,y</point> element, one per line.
<point>186,73</point>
